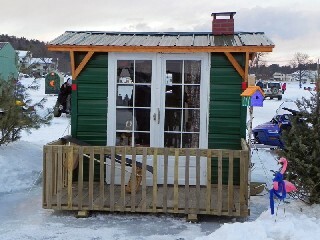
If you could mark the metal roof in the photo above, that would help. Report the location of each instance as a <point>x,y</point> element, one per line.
<point>163,39</point>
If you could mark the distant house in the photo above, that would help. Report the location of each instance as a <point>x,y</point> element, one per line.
<point>34,66</point>
<point>24,60</point>
<point>41,66</point>
<point>282,77</point>
<point>8,61</point>
<point>305,76</point>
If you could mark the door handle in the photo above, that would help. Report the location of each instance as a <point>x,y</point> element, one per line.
<point>158,115</point>
<point>154,116</point>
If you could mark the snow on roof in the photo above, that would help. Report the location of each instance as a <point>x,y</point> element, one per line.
<point>2,44</point>
<point>41,60</point>
<point>22,53</point>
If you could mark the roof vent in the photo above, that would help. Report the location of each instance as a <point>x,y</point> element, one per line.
<point>224,24</point>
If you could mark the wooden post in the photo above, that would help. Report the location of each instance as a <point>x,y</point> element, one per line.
<point>165,180</point>
<point>250,125</point>
<point>112,179</point>
<point>230,184</point>
<point>133,184</point>
<point>144,185</point>
<point>102,168</point>
<point>91,178</point>
<point>70,169</point>
<point>155,180</point>
<point>175,186</point>
<point>80,178</point>
<point>219,201</point>
<point>123,184</point>
<point>59,177</point>
<point>197,180</point>
<point>208,197</point>
<point>187,176</point>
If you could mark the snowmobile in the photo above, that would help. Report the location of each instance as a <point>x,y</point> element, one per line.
<point>269,133</point>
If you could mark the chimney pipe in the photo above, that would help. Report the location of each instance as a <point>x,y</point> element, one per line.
<point>224,25</point>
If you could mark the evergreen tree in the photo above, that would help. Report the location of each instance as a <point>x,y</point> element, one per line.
<point>16,112</point>
<point>302,149</point>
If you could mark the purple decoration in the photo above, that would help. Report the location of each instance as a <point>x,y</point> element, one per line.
<point>257,99</point>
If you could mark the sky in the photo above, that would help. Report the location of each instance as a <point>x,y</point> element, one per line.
<point>22,216</point>
<point>294,26</point>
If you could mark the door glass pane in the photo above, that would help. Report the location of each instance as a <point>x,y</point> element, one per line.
<point>182,104</point>
<point>125,71</point>
<point>191,120</point>
<point>172,120</point>
<point>142,139</point>
<point>142,95</point>
<point>174,96</point>
<point>124,119</point>
<point>124,138</point>
<point>174,67</point>
<point>142,118</point>
<point>190,140</point>
<point>124,95</point>
<point>192,70</point>
<point>133,104</point>
<point>192,96</point>
<point>143,70</point>
<point>172,140</point>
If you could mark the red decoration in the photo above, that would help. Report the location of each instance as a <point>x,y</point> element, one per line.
<point>74,87</point>
<point>244,85</point>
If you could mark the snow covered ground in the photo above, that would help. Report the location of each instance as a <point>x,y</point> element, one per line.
<point>21,215</point>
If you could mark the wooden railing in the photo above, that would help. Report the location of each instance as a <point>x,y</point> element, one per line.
<point>116,179</point>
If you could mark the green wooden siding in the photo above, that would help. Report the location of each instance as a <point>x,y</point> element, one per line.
<point>8,63</point>
<point>227,116</point>
<point>89,101</point>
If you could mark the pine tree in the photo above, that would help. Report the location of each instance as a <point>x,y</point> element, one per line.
<point>302,149</point>
<point>16,111</point>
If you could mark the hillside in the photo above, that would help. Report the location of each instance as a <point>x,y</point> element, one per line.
<point>38,49</point>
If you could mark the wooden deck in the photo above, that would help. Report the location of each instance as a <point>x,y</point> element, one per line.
<point>74,178</point>
<point>192,201</point>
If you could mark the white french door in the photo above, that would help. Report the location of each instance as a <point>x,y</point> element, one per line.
<point>158,100</point>
<point>184,110</point>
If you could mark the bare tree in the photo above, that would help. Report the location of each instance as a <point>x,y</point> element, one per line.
<point>300,63</point>
<point>258,66</point>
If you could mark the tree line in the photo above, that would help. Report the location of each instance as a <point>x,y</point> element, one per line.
<point>300,63</point>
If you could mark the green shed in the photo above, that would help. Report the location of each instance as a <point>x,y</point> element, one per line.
<point>176,89</point>
<point>166,90</point>
<point>8,62</point>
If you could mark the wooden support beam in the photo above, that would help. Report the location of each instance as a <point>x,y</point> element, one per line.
<point>246,67</point>
<point>72,62</point>
<point>83,63</point>
<point>192,218</point>
<point>236,65</point>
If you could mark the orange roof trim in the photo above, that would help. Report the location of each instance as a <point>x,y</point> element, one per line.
<point>251,90</point>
